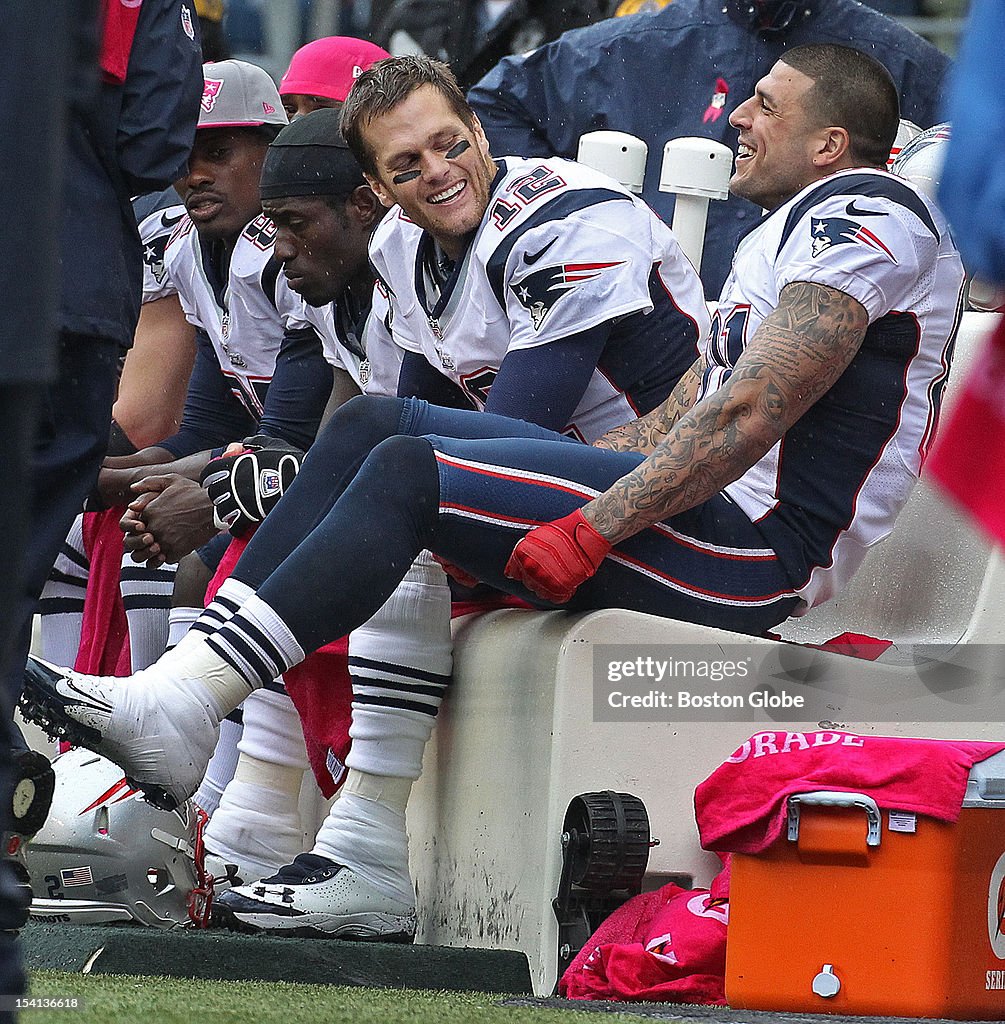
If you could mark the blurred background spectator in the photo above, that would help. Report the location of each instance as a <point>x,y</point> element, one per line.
<point>474,33</point>
<point>214,42</point>
<point>473,37</point>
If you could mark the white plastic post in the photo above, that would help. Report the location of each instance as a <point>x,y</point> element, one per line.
<point>616,154</point>
<point>695,170</point>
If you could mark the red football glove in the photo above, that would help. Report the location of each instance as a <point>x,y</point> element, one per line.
<point>555,558</point>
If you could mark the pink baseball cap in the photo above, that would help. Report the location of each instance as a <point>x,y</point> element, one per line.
<point>237,94</point>
<point>328,67</point>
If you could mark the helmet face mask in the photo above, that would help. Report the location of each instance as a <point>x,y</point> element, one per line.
<point>107,856</point>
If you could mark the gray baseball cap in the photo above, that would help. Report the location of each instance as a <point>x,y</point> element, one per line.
<point>237,94</point>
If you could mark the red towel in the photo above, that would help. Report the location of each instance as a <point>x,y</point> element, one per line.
<point>104,633</point>
<point>321,691</point>
<point>741,806</point>
<point>855,645</point>
<point>118,29</point>
<point>852,645</point>
<point>968,458</point>
<point>668,945</point>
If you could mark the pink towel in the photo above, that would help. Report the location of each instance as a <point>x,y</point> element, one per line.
<point>741,806</point>
<point>668,946</point>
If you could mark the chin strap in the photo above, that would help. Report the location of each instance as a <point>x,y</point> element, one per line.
<point>200,899</point>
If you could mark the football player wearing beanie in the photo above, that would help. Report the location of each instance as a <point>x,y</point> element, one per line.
<point>354,882</point>
<point>322,72</point>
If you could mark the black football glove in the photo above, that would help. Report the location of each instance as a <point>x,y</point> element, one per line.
<point>245,487</point>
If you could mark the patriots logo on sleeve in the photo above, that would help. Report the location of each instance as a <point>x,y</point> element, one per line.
<point>153,257</point>
<point>826,232</point>
<point>539,292</point>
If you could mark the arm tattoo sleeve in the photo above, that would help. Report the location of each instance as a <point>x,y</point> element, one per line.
<point>796,355</point>
<point>645,433</point>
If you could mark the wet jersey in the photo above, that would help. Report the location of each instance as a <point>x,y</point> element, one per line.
<point>355,340</point>
<point>237,312</point>
<point>834,484</point>
<point>156,230</point>
<point>561,249</point>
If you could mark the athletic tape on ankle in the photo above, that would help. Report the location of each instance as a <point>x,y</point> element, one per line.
<point>278,778</point>
<point>389,790</point>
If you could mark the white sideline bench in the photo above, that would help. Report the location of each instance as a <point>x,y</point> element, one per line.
<point>516,740</point>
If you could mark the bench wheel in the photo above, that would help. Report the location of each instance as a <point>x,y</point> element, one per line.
<point>611,848</point>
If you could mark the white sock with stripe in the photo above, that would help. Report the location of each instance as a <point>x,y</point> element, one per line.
<point>400,663</point>
<point>61,607</point>
<point>146,598</point>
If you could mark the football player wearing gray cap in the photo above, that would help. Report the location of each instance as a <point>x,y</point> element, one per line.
<point>251,376</point>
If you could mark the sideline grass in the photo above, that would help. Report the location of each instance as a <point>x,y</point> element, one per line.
<point>126,999</point>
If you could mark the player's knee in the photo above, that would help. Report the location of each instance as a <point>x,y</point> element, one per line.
<point>356,428</point>
<point>370,415</point>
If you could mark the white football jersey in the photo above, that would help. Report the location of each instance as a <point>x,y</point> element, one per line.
<point>156,230</point>
<point>365,351</point>
<point>238,314</point>
<point>561,249</point>
<point>835,483</point>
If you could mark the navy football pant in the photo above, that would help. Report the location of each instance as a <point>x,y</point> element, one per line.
<point>389,477</point>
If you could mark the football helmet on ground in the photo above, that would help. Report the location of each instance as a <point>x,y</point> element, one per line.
<point>106,856</point>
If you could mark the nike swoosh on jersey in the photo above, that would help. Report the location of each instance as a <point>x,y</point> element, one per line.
<point>529,259</point>
<point>853,211</point>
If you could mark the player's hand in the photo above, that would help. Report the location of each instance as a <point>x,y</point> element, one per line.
<point>245,484</point>
<point>552,560</point>
<point>456,572</point>
<point>174,512</point>
<point>139,541</point>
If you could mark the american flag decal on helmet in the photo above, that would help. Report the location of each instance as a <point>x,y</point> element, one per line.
<point>827,232</point>
<point>540,291</point>
<point>76,876</point>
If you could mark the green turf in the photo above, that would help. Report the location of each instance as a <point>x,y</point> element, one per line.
<point>125,999</point>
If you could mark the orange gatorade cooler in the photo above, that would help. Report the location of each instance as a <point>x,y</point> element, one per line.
<point>867,911</point>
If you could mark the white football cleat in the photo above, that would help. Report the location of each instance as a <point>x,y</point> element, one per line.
<point>157,730</point>
<point>315,897</point>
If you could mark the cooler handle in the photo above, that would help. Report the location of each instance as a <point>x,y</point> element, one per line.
<point>831,798</point>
